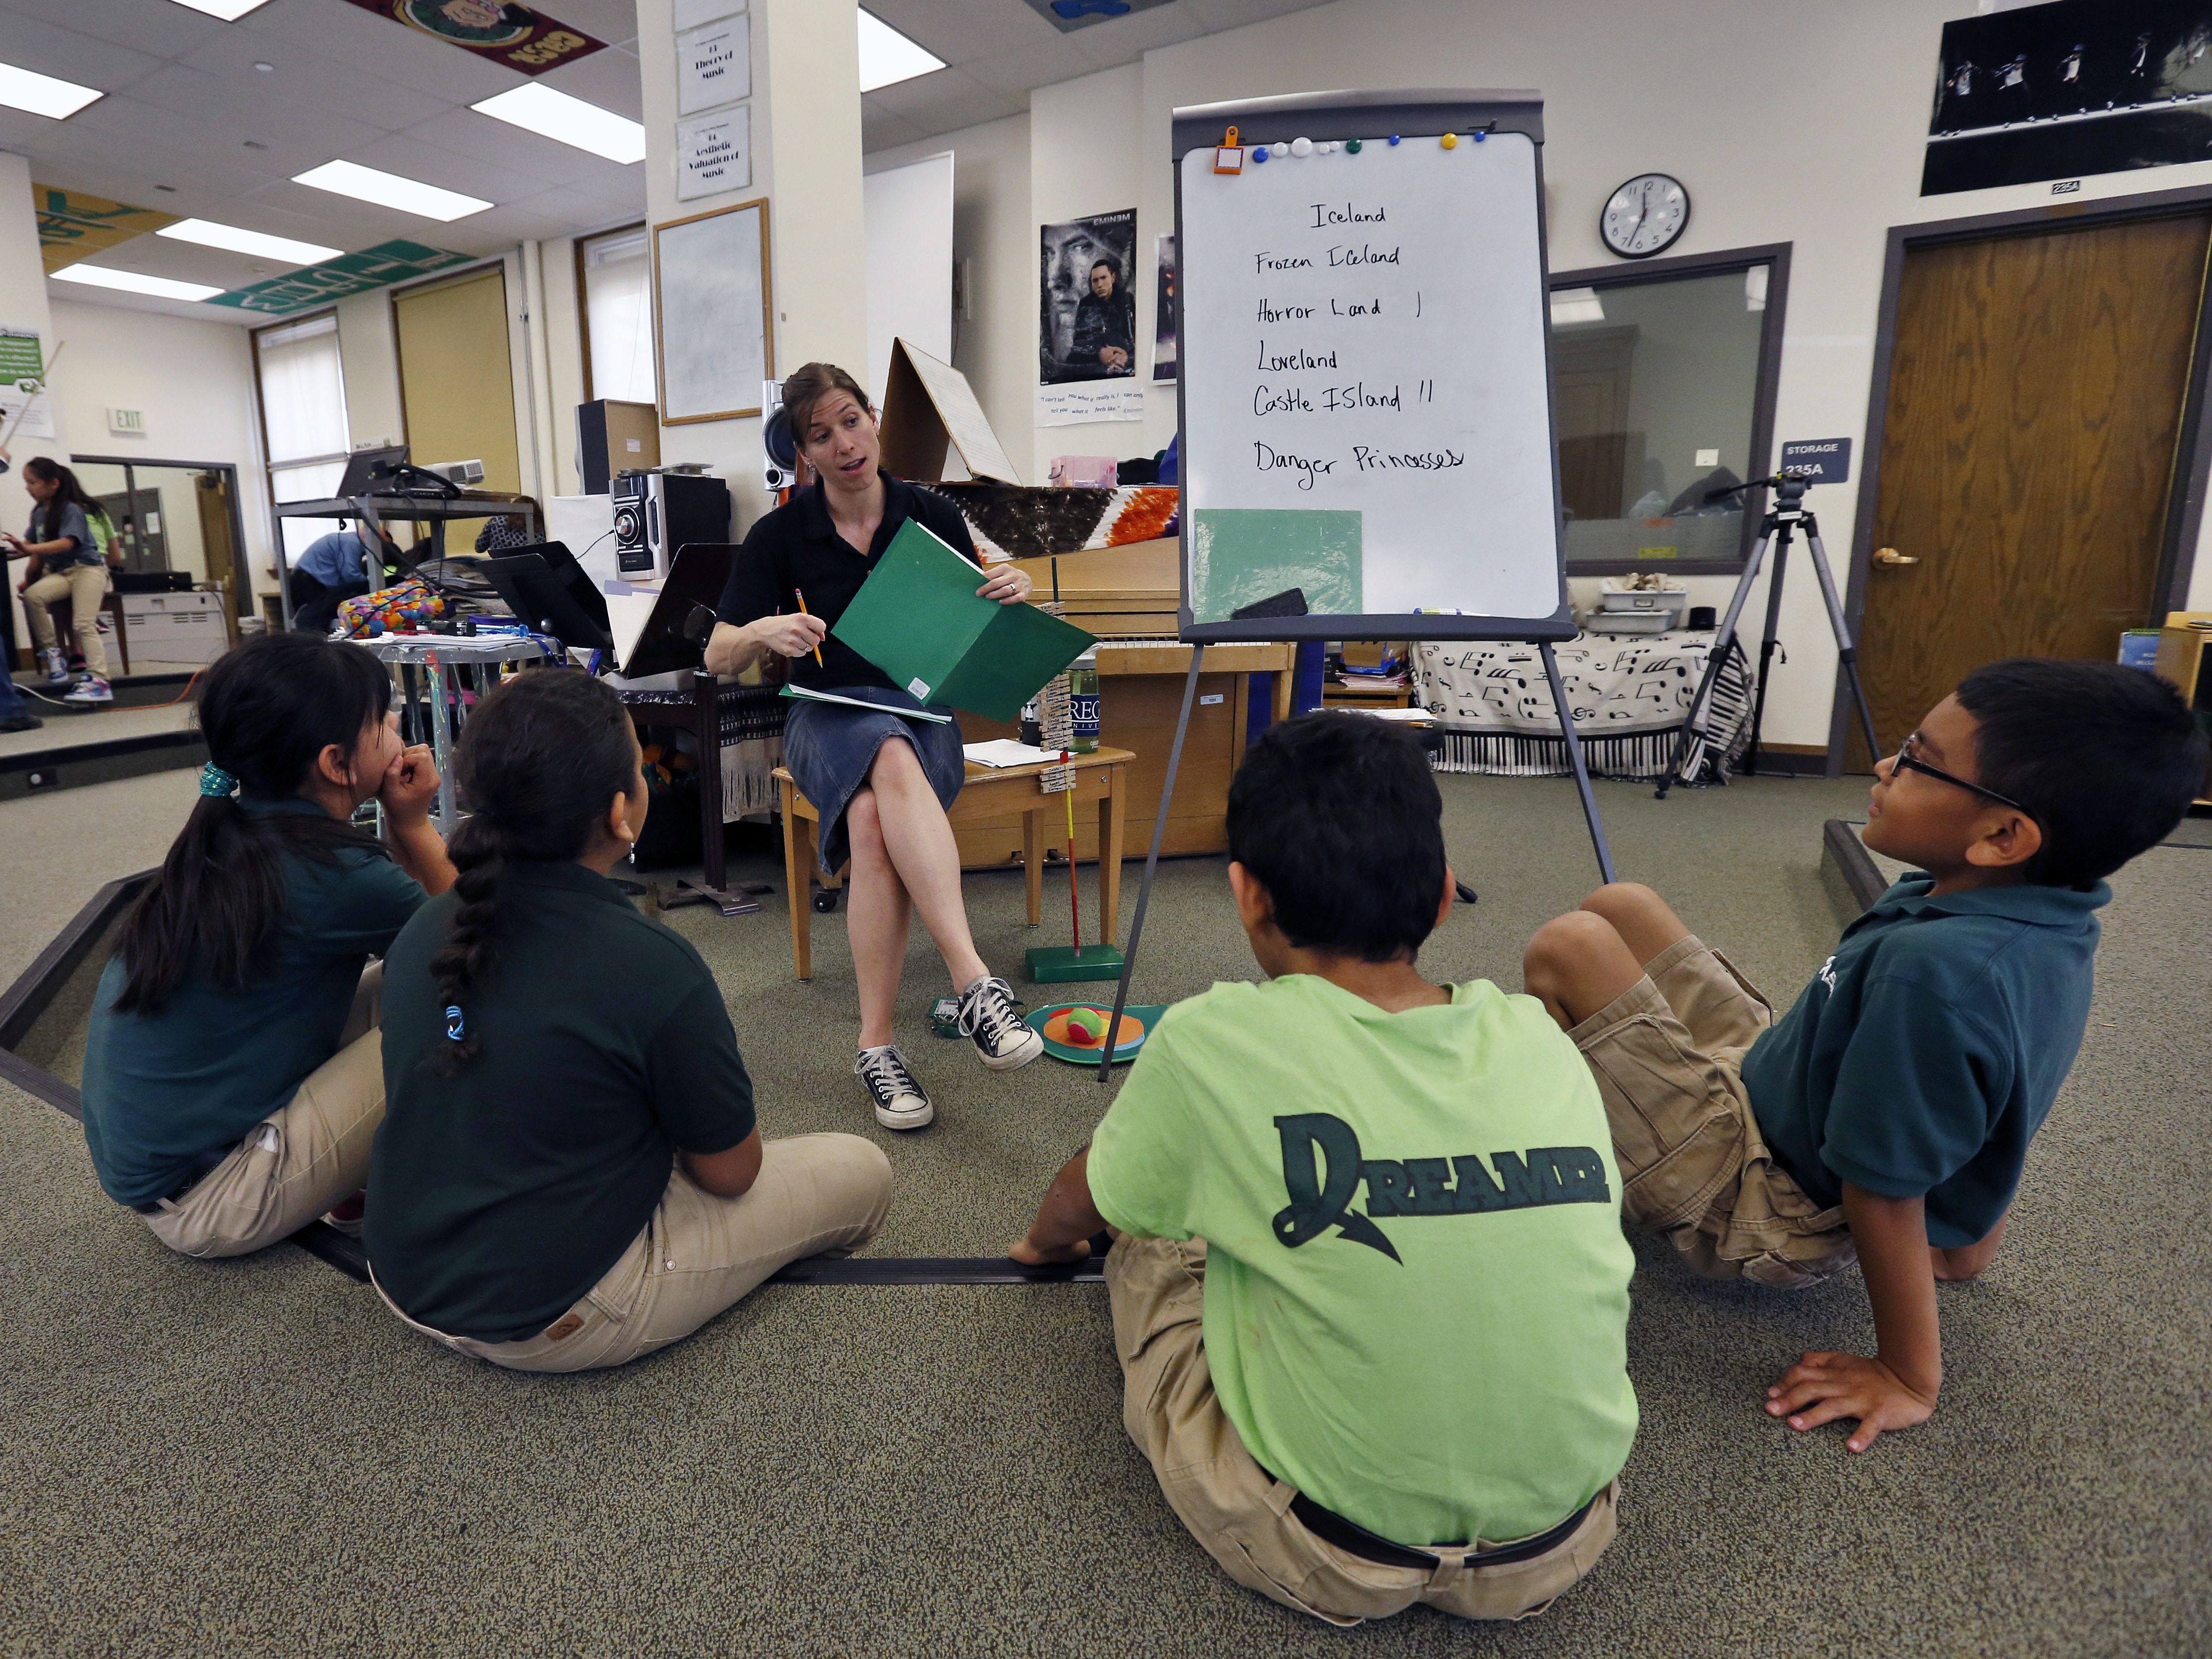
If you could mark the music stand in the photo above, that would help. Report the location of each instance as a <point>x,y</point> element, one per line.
<point>549,591</point>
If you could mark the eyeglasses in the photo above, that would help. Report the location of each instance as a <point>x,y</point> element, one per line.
<point>1909,761</point>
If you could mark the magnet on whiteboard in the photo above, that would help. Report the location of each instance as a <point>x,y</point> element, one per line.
<point>1394,138</point>
<point>1450,140</point>
<point>1302,147</point>
<point>1480,137</point>
<point>1351,146</point>
<point>1259,152</point>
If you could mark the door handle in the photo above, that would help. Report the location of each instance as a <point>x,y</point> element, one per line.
<point>1891,555</point>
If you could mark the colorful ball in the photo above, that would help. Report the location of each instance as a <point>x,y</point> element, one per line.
<point>1087,1027</point>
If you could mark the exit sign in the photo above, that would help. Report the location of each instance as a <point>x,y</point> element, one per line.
<point>126,420</point>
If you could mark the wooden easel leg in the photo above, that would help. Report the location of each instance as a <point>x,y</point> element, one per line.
<point>1153,863</point>
<point>1575,759</point>
<point>795,885</point>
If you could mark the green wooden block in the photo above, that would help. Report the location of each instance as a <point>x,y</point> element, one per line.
<point>1052,964</point>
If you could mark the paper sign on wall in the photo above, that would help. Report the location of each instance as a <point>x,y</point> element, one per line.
<point>1076,403</point>
<point>35,411</point>
<point>20,355</point>
<point>713,64</point>
<point>713,153</point>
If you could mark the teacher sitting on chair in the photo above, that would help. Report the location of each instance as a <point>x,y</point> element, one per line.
<point>880,781</point>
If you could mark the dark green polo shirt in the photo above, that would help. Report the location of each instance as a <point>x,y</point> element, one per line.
<point>164,1089</point>
<point>1926,1052</point>
<point>498,1196</point>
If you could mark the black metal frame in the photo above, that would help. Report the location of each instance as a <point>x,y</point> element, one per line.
<point>2192,471</point>
<point>1764,393</point>
<point>241,600</point>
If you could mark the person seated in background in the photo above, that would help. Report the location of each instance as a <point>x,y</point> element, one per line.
<point>335,568</point>
<point>1886,1117</point>
<point>232,1079</point>
<point>1355,1409</point>
<point>571,1175</point>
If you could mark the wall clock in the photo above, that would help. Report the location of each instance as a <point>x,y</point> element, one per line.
<point>1646,216</point>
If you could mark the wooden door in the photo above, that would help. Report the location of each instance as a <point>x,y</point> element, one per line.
<point>2035,401</point>
<point>213,494</point>
<point>456,382</point>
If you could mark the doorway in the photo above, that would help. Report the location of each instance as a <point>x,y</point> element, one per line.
<point>2035,448</point>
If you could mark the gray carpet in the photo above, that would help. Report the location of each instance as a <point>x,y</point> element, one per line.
<point>252,1458</point>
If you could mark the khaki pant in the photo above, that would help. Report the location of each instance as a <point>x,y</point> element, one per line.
<point>1667,1054</point>
<point>700,1253</point>
<point>84,586</point>
<point>303,1159</point>
<point>1242,1515</point>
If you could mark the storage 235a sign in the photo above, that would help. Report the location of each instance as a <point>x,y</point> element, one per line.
<point>519,36</point>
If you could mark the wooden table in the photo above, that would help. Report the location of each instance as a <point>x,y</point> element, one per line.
<point>990,793</point>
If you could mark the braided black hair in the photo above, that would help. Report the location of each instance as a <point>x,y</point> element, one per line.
<point>267,710</point>
<point>540,762</point>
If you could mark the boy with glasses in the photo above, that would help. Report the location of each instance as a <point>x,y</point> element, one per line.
<point>1886,1117</point>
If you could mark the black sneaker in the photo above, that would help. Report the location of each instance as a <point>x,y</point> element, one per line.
<point>900,1103</point>
<point>20,723</point>
<point>988,1016</point>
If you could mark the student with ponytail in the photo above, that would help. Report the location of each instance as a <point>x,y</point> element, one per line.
<point>68,561</point>
<point>232,1079</point>
<point>569,1175</point>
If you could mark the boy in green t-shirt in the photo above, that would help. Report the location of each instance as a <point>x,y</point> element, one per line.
<point>1885,1119</point>
<point>1357,1405</point>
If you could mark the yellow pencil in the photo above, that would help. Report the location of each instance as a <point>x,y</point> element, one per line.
<point>804,612</point>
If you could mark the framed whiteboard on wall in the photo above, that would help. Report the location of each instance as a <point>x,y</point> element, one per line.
<point>711,313</point>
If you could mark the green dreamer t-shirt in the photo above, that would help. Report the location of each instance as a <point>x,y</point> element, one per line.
<point>1416,1283</point>
<point>163,1089</point>
<point>498,1196</point>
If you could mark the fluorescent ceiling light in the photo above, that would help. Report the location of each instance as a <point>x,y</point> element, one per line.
<point>42,95</point>
<point>132,282</point>
<point>390,189</point>
<point>208,234</point>
<point>1575,305</point>
<point>229,10</point>
<point>888,57</point>
<point>539,109</point>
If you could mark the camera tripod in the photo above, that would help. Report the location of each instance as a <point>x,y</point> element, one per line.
<point>1775,533</point>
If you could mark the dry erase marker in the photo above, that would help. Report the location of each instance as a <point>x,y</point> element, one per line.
<point>804,612</point>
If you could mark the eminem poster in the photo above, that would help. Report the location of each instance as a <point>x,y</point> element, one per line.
<point>2072,89</point>
<point>1087,299</point>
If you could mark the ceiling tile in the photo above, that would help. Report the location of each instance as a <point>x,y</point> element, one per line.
<point>614,21</point>
<point>309,79</point>
<point>944,101</point>
<point>1125,39</point>
<point>961,30</point>
<point>609,79</point>
<point>466,132</point>
<point>475,170</point>
<point>1013,73</point>
<point>290,130</point>
<point>389,50</point>
<point>77,294</point>
<point>881,130</point>
<point>165,30</point>
<point>30,43</point>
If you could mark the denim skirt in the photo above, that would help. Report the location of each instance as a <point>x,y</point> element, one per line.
<point>830,749</point>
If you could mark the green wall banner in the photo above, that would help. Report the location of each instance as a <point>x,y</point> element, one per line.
<point>349,273</point>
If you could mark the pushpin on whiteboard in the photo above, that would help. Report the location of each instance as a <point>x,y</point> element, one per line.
<point>1230,156</point>
<point>1302,147</point>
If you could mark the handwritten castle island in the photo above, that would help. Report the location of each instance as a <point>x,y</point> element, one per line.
<point>1289,399</point>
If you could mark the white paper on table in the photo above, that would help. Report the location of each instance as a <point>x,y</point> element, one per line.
<point>1414,716</point>
<point>626,616</point>
<point>1005,751</point>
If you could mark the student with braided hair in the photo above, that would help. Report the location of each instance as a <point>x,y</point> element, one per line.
<point>569,1174</point>
<point>231,1086</point>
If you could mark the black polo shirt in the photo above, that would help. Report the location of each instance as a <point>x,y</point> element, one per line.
<point>498,1196</point>
<point>797,550</point>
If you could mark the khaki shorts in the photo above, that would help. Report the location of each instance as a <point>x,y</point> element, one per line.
<point>1667,1054</point>
<point>1242,1515</point>
<point>701,1253</point>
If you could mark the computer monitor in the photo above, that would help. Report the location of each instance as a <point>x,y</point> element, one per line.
<point>372,471</point>
<point>548,590</point>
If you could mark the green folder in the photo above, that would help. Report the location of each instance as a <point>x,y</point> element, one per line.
<point>919,618</point>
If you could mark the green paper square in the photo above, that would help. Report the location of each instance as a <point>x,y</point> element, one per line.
<point>1240,555</point>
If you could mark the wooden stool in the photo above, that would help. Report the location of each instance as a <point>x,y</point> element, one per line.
<point>989,793</point>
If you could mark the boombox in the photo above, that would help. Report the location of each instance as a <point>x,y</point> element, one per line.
<point>657,513</point>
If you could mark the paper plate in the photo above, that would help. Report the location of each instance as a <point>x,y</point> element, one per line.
<point>1051,1024</point>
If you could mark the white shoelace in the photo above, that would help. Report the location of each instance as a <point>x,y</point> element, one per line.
<point>992,1016</point>
<point>885,1073</point>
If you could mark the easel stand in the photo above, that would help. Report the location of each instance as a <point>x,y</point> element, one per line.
<point>1167,794</point>
<point>1775,532</point>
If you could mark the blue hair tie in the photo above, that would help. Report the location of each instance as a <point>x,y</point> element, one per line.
<point>454,1025</point>
<point>216,782</point>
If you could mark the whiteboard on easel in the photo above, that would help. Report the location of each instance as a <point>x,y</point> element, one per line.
<point>1365,386</point>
